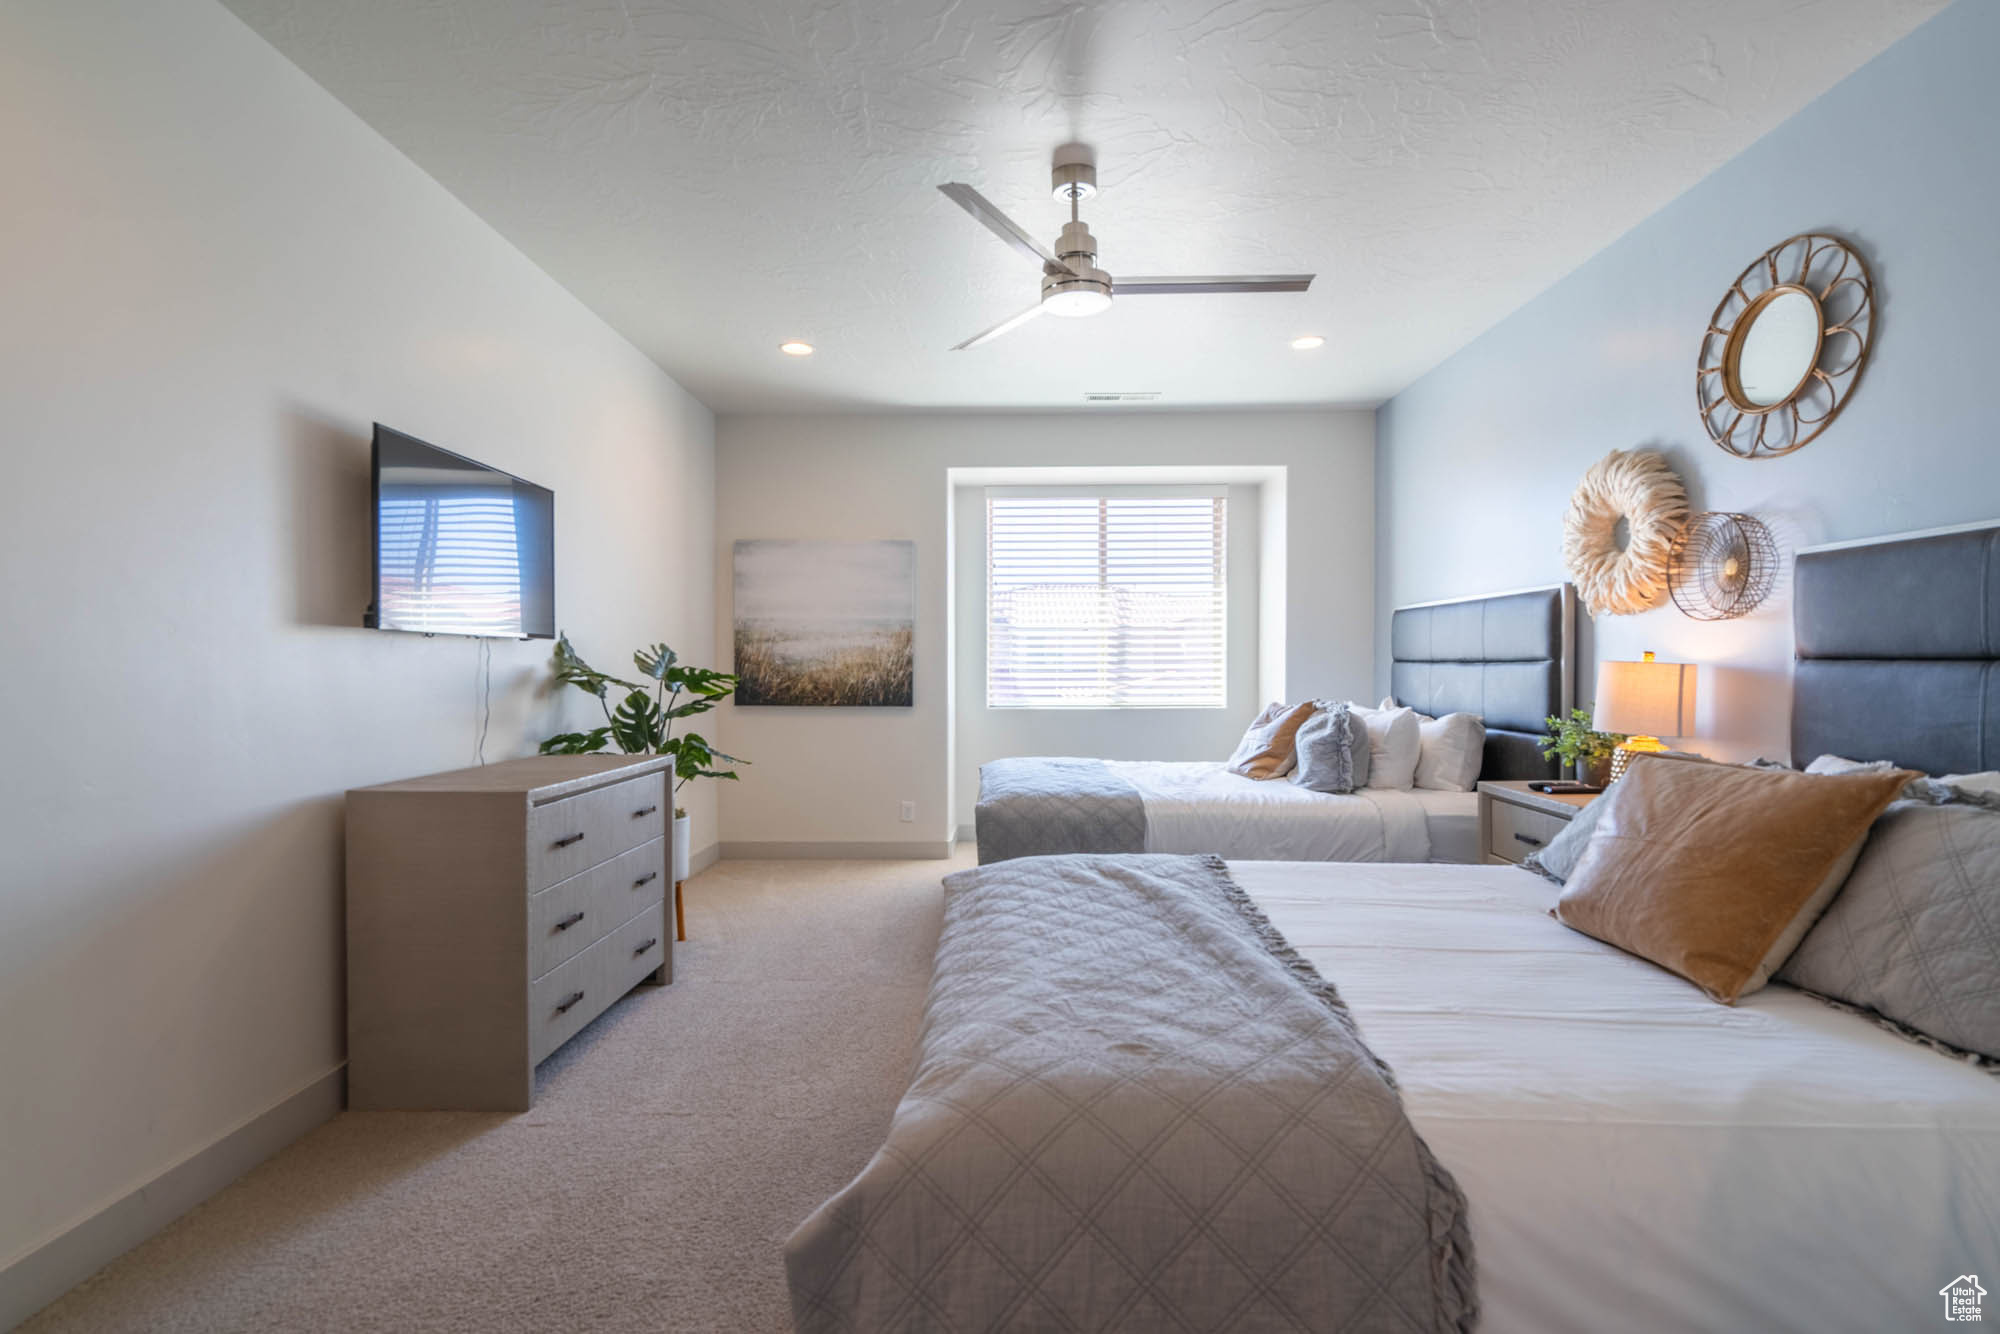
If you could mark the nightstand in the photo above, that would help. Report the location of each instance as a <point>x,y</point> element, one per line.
<point>1514,821</point>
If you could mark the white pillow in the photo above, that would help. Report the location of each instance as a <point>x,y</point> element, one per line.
<point>1840,764</point>
<point>1394,744</point>
<point>1988,782</point>
<point>1451,751</point>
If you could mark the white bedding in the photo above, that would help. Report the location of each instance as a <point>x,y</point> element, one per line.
<point>1635,1155</point>
<point>1198,807</point>
<point>1452,820</point>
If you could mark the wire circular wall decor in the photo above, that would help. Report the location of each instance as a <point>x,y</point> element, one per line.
<point>1722,566</point>
<point>1785,346</point>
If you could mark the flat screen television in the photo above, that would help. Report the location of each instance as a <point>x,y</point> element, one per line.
<point>460,548</point>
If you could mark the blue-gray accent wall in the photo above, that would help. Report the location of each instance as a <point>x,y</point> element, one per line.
<point>1475,461</point>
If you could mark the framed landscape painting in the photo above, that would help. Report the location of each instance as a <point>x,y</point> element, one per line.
<point>825,623</point>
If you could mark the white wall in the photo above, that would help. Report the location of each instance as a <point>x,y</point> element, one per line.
<point>1476,460</point>
<point>215,276</point>
<point>983,734</point>
<point>837,775</point>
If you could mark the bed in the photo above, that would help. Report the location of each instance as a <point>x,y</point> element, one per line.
<point>1620,1151</point>
<point>1633,1154</point>
<point>1507,658</point>
<point>1195,807</point>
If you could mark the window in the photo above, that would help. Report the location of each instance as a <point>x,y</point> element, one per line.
<point>1106,601</point>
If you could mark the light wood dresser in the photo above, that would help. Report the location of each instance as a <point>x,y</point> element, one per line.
<point>1515,820</point>
<point>491,914</point>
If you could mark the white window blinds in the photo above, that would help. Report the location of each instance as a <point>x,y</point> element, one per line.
<point>1106,601</point>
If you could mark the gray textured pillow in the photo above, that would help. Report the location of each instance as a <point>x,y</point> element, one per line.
<point>1914,935</point>
<point>1559,857</point>
<point>1332,751</point>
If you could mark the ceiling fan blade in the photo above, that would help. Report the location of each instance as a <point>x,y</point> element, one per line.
<point>1002,226</point>
<point>1278,282</point>
<point>1006,325</point>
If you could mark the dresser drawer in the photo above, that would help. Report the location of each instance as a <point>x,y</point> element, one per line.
<point>1516,831</point>
<point>564,999</point>
<point>637,949</point>
<point>577,833</point>
<point>563,919</point>
<point>631,882</point>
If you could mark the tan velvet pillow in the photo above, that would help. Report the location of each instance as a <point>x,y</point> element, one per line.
<point>1270,748</point>
<point>1716,871</point>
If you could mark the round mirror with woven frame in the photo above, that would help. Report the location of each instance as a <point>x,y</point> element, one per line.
<point>1785,346</point>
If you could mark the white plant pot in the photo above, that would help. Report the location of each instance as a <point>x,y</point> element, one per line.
<point>683,837</point>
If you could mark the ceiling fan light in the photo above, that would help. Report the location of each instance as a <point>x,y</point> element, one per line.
<point>1077,302</point>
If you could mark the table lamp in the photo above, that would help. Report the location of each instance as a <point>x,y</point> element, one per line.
<point>1648,700</point>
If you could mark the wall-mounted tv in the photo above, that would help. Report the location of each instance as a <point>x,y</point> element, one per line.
<point>460,548</point>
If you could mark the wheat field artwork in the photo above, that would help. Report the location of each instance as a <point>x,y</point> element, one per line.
<point>825,623</point>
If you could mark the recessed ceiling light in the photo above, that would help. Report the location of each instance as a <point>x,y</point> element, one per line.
<point>1307,342</point>
<point>796,349</point>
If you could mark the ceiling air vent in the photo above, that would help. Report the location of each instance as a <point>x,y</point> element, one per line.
<point>1121,396</point>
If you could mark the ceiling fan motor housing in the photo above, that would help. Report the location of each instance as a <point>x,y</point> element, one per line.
<point>1086,290</point>
<point>1072,180</point>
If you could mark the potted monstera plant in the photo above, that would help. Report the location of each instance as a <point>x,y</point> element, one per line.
<point>643,722</point>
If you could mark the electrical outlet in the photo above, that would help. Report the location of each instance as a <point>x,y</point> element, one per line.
<point>908,812</point>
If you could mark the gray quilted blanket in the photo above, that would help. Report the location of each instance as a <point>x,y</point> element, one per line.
<point>1135,1109</point>
<point>1049,804</point>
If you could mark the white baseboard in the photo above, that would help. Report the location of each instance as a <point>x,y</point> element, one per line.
<point>909,851</point>
<point>59,1264</point>
<point>965,833</point>
<point>703,858</point>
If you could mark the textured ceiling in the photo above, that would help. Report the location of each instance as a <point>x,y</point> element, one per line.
<point>717,176</point>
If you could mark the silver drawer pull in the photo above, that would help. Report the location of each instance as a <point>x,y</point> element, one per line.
<point>1529,839</point>
<point>645,945</point>
<point>646,879</point>
<point>564,1007</point>
<point>643,812</point>
<point>569,921</point>
<point>565,842</point>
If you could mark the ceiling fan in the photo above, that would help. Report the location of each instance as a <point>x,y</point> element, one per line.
<point>1072,284</point>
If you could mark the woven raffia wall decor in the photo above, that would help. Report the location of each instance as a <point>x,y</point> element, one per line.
<point>1639,488</point>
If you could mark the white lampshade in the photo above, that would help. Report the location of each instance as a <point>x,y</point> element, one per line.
<point>1645,698</point>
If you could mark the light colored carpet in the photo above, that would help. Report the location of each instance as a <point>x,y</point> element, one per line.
<point>673,1146</point>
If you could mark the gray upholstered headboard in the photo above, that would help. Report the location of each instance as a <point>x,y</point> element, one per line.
<point>1897,643</point>
<point>1509,658</point>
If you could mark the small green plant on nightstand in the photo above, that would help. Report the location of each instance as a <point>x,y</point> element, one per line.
<point>1573,741</point>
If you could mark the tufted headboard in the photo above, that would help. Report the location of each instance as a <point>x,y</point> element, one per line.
<point>1897,645</point>
<point>1509,658</point>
